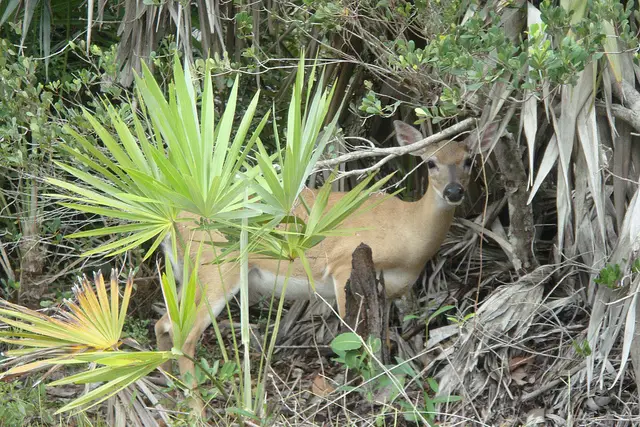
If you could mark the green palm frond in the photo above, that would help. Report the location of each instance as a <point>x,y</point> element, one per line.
<point>283,177</point>
<point>187,163</point>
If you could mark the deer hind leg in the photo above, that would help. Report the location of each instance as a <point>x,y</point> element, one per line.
<point>163,327</point>
<point>164,338</point>
<point>217,293</point>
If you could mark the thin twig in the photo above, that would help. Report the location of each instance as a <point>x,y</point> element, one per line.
<point>551,384</point>
<point>392,152</point>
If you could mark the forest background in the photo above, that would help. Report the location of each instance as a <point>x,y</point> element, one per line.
<point>528,313</point>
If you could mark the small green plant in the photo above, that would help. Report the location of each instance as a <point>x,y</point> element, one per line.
<point>435,314</point>
<point>461,320</point>
<point>358,357</point>
<point>137,329</point>
<point>372,105</point>
<point>354,355</point>
<point>432,316</point>
<point>610,276</point>
<point>24,404</point>
<point>582,347</point>
<point>428,410</point>
<point>210,381</point>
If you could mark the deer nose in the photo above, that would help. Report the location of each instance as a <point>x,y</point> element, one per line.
<point>453,192</point>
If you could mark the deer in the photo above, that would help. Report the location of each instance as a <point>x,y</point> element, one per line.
<point>403,236</point>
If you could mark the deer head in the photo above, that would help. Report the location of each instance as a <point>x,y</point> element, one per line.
<point>449,162</point>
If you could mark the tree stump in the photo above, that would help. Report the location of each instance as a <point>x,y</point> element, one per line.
<point>366,301</point>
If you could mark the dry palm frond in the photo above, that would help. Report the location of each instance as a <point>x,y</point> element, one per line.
<point>93,324</point>
<point>615,309</point>
<point>90,332</point>
<point>505,317</point>
<point>137,405</point>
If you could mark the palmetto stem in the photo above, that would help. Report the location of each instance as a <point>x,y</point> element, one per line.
<point>244,307</point>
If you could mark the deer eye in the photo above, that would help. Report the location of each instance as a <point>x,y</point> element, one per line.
<point>467,162</point>
<point>431,164</point>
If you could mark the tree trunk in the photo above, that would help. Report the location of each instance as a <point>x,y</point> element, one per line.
<point>366,300</point>
<point>32,254</point>
<point>521,225</point>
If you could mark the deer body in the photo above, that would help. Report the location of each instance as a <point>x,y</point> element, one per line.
<point>403,236</point>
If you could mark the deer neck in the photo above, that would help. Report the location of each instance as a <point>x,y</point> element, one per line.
<point>434,217</point>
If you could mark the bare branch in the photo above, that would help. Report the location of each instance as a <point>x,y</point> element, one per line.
<point>357,172</point>
<point>392,152</point>
<point>626,93</point>
<point>623,113</point>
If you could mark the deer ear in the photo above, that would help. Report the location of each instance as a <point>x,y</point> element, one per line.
<point>486,137</point>
<point>407,135</point>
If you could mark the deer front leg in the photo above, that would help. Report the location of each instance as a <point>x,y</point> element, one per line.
<point>340,279</point>
<point>216,295</point>
<point>216,301</point>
